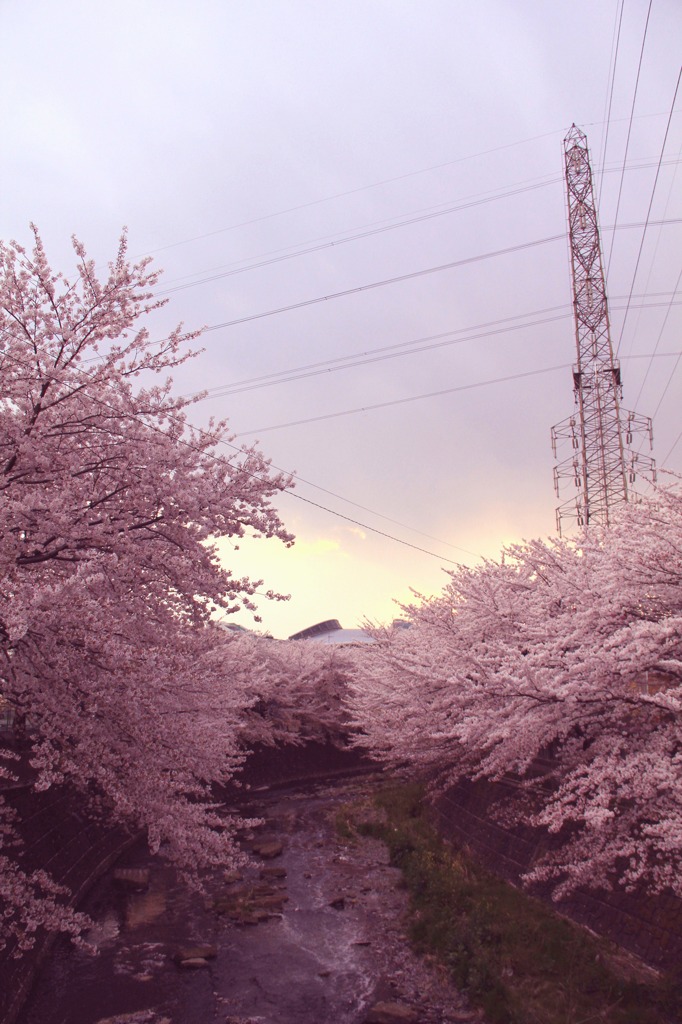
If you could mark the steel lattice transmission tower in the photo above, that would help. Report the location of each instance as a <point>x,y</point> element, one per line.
<point>602,463</point>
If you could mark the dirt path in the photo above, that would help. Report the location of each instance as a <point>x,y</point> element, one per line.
<point>309,935</point>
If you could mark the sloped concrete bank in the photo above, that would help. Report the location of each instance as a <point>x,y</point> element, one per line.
<point>76,852</point>
<point>274,767</point>
<point>648,926</point>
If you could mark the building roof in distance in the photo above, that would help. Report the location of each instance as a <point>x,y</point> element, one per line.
<point>331,632</point>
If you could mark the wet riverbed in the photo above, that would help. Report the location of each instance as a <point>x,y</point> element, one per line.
<point>309,935</point>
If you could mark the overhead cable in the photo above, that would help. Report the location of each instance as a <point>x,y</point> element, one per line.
<point>386,281</point>
<point>409,398</point>
<point>283,490</point>
<point>367,233</point>
<point>399,278</point>
<point>651,201</point>
<point>627,141</point>
<point>415,347</point>
<point>415,398</point>
<point>401,349</point>
<point>612,76</point>
<point>352,192</point>
<point>321,243</point>
<point>658,341</point>
<point>365,188</point>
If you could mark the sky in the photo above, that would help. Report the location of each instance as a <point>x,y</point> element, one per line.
<point>363,203</point>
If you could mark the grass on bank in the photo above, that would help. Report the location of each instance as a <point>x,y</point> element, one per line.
<point>516,959</point>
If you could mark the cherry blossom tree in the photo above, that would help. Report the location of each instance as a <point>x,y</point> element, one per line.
<point>109,578</point>
<point>295,692</point>
<point>561,664</point>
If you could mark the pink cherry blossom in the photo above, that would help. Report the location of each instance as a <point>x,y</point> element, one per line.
<point>110,581</point>
<point>559,664</point>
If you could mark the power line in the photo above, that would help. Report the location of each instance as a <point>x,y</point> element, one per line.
<point>655,355</point>
<point>651,201</point>
<point>351,192</point>
<point>658,341</point>
<point>467,261</point>
<point>409,398</point>
<point>386,281</point>
<point>373,512</point>
<point>286,254</point>
<point>414,347</point>
<point>381,533</point>
<point>284,490</point>
<point>368,287</point>
<point>652,263</point>
<point>415,398</point>
<point>612,75</point>
<point>400,278</point>
<point>365,508</point>
<point>674,446</point>
<point>627,142</point>
<point>376,184</point>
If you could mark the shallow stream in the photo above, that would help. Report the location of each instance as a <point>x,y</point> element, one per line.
<point>329,947</point>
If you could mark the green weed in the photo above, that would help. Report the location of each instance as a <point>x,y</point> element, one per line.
<point>518,961</point>
<point>344,825</point>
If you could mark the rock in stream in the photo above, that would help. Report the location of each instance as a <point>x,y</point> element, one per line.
<point>312,932</point>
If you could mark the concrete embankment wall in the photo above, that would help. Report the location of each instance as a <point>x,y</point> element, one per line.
<point>649,926</point>
<point>282,766</point>
<point>74,850</point>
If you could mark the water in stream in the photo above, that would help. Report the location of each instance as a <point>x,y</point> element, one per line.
<point>333,948</point>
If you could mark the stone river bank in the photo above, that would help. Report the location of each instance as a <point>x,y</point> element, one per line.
<point>311,933</point>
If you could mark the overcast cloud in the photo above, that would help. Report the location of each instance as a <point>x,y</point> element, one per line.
<point>228,134</point>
